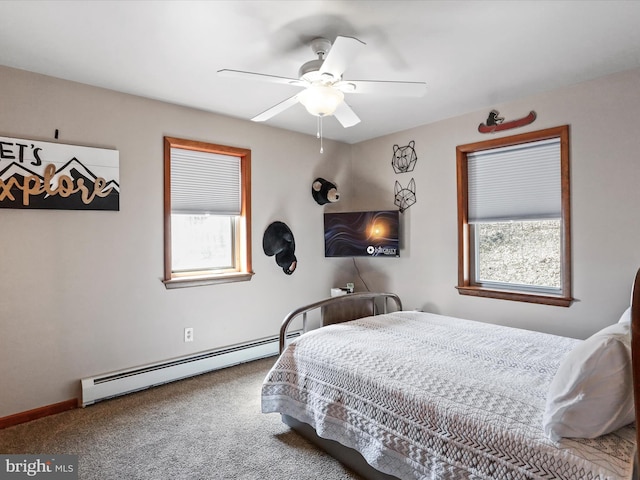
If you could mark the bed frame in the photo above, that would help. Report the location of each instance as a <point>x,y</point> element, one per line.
<point>635,359</point>
<point>341,309</point>
<point>357,305</point>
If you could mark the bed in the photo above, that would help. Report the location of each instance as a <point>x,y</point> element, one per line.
<point>414,395</point>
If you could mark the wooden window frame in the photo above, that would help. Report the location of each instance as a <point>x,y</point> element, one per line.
<point>243,235</point>
<point>465,285</point>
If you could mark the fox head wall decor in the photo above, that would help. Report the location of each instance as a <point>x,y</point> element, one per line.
<point>404,197</point>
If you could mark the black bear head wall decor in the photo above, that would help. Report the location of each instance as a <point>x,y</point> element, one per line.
<point>323,191</point>
<point>404,158</point>
<point>278,240</point>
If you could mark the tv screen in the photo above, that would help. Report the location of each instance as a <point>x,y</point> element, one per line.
<point>362,234</point>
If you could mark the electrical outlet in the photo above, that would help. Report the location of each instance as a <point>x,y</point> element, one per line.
<point>188,334</point>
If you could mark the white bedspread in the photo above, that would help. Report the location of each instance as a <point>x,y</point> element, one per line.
<point>424,396</point>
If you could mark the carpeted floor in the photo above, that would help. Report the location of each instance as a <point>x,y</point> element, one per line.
<point>206,427</point>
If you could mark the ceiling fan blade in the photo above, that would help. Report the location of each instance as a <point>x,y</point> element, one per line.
<point>276,109</point>
<point>398,89</point>
<point>261,77</point>
<point>346,116</point>
<point>343,50</point>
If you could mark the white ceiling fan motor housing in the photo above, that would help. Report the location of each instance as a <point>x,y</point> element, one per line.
<point>310,70</point>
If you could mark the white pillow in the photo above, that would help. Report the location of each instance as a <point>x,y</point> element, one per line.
<point>592,393</point>
<point>626,316</point>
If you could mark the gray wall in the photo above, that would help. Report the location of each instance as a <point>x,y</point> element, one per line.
<point>81,291</point>
<point>604,119</point>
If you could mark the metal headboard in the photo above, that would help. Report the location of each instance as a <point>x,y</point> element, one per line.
<point>343,300</point>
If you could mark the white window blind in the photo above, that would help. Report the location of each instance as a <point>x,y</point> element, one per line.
<point>203,182</point>
<point>516,182</point>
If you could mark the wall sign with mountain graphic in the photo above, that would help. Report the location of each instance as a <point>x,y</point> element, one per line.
<point>49,175</point>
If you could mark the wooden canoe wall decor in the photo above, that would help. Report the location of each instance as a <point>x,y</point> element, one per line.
<point>48,175</point>
<point>495,123</point>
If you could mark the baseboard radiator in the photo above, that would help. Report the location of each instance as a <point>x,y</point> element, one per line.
<point>95,389</point>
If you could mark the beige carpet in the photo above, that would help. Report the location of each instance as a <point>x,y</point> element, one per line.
<point>206,427</point>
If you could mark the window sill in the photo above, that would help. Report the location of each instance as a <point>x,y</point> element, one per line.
<point>558,301</point>
<point>197,281</point>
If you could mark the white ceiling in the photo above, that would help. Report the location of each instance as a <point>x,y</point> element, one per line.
<point>473,55</point>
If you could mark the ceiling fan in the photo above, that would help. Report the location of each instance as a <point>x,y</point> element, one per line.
<point>324,87</point>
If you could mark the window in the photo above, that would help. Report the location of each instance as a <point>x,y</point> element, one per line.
<point>514,218</point>
<point>207,205</point>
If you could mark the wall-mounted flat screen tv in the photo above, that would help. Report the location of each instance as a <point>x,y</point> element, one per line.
<point>362,234</point>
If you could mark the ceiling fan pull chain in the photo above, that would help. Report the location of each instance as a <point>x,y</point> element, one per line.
<point>320,133</point>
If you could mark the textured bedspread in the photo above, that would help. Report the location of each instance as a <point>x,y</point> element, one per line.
<point>424,396</point>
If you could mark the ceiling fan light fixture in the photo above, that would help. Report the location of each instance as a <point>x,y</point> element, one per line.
<point>321,100</point>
